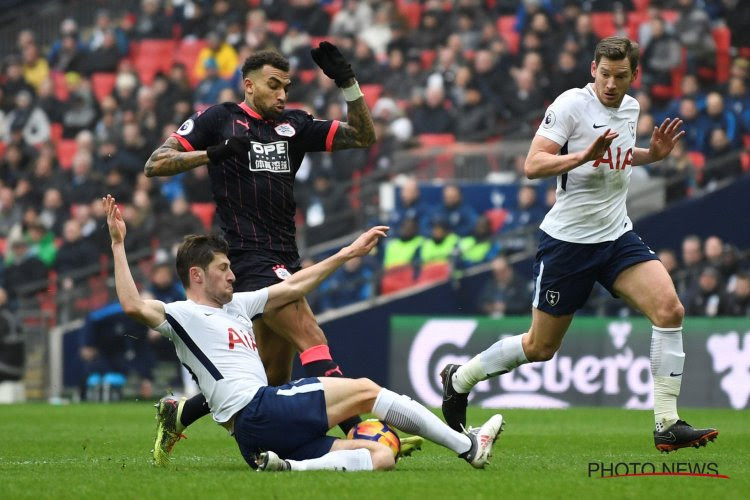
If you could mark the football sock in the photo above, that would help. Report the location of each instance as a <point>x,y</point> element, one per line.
<point>667,362</point>
<point>344,460</point>
<point>194,408</point>
<point>317,362</point>
<point>501,357</point>
<point>409,416</point>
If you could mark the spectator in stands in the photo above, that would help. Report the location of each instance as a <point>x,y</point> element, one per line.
<point>42,242</point>
<point>221,52</point>
<point>662,54</point>
<point>366,63</point>
<point>706,298</point>
<point>478,247</point>
<point>309,14</point>
<point>67,53</point>
<point>527,211</point>
<point>722,163</point>
<point>377,34</point>
<point>29,118</point>
<point>35,67</point>
<point>678,172</point>
<point>112,343</point>
<point>433,117</point>
<point>82,186</point>
<point>644,129</point>
<point>476,121</point>
<point>692,264</point>
<point>693,28</point>
<point>103,27</point>
<point>25,273</point>
<point>106,56</point>
<point>441,246</point>
<point>352,19</point>
<point>713,248</point>
<point>566,74</point>
<point>503,294</point>
<point>13,82</point>
<point>49,103</point>
<point>432,31</point>
<point>394,73</point>
<point>80,112</point>
<point>584,39</point>
<point>208,89</point>
<point>133,149</point>
<point>351,283</point>
<point>152,21</point>
<point>460,216</point>
<point>467,28</point>
<point>75,255</point>
<point>179,222</point>
<point>524,99</point>
<point>669,259</point>
<point>690,88</point>
<point>694,125</point>
<point>10,212</point>
<point>54,210</point>
<point>411,206</point>
<point>719,117</point>
<point>115,183</point>
<point>328,213</point>
<point>403,250</point>
<point>738,301</point>
<point>737,97</point>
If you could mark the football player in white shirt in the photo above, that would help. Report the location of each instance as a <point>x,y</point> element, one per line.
<point>587,141</point>
<point>284,427</point>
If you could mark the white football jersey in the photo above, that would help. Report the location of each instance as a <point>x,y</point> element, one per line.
<point>218,347</point>
<point>590,205</point>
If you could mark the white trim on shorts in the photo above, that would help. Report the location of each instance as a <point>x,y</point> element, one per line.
<point>299,389</point>
<point>538,285</point>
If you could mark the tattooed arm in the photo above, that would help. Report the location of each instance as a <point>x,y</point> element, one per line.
<point>171,158</point>
<point>359,130</point>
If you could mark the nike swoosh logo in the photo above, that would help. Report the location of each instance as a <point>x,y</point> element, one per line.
<point>208,314</point>
<point>599,126</point>
<point>669,439</point>
<point>673,374</point>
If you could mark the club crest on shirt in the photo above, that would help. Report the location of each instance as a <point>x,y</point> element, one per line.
<point>552,297</point>
<point>281,272</point>
<point>631,127</point>
<point>186,127</point>
<point>285,129</point>
<point>549,119</point>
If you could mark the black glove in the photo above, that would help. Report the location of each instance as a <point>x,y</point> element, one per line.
<point>333,64</point>
<point>238,145</point>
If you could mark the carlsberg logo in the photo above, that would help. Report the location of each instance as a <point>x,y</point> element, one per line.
<point>620,374</point>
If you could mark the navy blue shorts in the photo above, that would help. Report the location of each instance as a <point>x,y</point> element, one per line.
<point>290,420</point>
<point>565,273</point>
<point>256,269</point>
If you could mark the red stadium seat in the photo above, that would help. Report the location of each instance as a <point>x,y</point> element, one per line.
<point>315,40</point>
<point>641,5</point>
<point>187,54</point>
<point>102,84</point>
<point>55,132</point>
<point>428,57</point>
<point>506,25</point>
<point>430,140</point>
<point>372,93</point>
<point>154,56</point>
<point>669,16</point>
<point>412,11</point>
<point>434,271</point>
<point>635,19</point>
<point>603,24</point>
<point>58,82</point>
<point>3,146</point>
<point>496,218</point>
<point>3,244</point>
<point>205,212</point>
<point>277,27</point>
<point>745,161</point>
<point>307,75</point>
<point>723,38</point>
<point>396,278</point>
<point>699,162</point>
<point>66,150</point>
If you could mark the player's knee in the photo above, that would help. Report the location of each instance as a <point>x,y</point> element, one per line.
<point>540,351</point>
<point>367,391</point>
<point>382,457</point>
<point>670,313</point>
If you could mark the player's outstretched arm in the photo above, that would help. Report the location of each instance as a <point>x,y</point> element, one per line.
<point>148,312</point>
<point>306,280</point>
<point>543,159</point>
<point>359,130</point>
<point>171,158</point>
<point>663,139</point>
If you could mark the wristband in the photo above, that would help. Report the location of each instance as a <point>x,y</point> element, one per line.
<point>352,93</point>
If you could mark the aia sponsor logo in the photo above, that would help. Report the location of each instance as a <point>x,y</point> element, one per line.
<point>618,161</point>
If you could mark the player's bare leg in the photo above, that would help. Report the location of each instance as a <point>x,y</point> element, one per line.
<point>345,455</point>
<point>276,353</point>
<point>540,343</point>
<point>648,287</point>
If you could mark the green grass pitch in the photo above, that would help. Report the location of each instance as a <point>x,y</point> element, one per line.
<point>102,451</point>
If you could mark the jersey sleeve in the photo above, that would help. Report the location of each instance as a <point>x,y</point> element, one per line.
<point>165,329</point>
<point>559,121</point>
<point>312,134</point>
<point>203,129</point>
<point>252,302</point>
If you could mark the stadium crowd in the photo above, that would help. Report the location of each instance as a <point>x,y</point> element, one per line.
<point>79,117</point>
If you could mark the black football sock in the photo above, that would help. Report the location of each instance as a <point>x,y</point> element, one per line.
<point>195,408</point>
<point>317,362</point>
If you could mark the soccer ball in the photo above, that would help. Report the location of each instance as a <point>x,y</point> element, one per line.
<point>375,430</point>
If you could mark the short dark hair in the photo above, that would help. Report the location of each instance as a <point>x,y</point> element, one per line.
<point>198,250</point>
<point>617,48</point>
<point>260,59</point>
